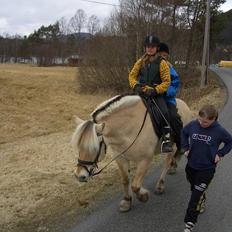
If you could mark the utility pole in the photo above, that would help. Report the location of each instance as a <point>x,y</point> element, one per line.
<point>205,56</point>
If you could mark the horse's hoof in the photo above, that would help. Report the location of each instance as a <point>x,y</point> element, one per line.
<point>124,205</point>
<point>143,197</point>
<point>171,171</point>
<point>159,190</point>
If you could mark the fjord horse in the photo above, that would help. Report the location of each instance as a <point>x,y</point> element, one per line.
<point>122,128</point>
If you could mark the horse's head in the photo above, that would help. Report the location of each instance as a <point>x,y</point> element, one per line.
<point>88,143</point>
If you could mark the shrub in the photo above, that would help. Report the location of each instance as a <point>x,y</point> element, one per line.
<point>104,66</point>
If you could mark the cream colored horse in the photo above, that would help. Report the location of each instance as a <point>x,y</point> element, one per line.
<point>120,125</point>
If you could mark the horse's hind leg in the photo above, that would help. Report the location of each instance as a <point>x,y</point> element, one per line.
<point>125,203</point>
<point>173,165</point>
<point>159,188</point>
<point>141,193</point>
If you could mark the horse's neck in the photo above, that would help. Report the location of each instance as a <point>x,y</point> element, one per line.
<point>126,117</point>
<point>124,123</point>
<point>125,132</point>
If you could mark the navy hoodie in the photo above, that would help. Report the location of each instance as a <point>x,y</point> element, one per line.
<point>203,144</point>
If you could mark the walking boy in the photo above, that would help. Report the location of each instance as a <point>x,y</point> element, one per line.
<point>201,139</point>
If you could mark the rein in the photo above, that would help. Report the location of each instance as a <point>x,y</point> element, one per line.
<point>91,171</point>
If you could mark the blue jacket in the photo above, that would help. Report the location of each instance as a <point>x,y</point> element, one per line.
<point>203,144</point>
<point>170,95</point>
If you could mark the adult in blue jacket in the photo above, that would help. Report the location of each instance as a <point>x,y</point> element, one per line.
<point>170,98</point>
<point>201,140</point>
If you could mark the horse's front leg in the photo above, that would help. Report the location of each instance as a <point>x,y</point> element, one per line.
<point>141,193</point>
<point>159,188</point>
<point>125,203</point>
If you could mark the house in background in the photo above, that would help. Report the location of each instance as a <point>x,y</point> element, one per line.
<point>73,60</point>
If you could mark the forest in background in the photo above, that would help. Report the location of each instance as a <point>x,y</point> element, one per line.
<point>107,51</point>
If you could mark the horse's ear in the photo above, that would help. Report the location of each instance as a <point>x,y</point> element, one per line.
<point>99,127</point>
<point>78,120</point>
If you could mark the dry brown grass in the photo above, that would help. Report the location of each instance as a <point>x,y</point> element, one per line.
<point>39,101</point>
<point>36,160</point>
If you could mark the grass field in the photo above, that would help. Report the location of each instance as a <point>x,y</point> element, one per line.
<point>38,190</point>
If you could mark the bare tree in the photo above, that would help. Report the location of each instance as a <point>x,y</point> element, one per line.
<point>77,22</point>
<point>64,26</point>
<point>113,24</point>
<point>137,17</point>
<point>93,24</point>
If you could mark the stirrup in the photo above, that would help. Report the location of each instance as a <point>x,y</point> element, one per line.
<point>166,146</point>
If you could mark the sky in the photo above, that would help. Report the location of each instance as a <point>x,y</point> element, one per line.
<point>24,16</point>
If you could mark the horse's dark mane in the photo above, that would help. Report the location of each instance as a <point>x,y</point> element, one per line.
<point>108,104</point>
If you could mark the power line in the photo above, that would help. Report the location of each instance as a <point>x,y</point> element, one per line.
<point>102,3</point>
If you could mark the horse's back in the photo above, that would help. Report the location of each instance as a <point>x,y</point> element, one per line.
<point>184,111</point>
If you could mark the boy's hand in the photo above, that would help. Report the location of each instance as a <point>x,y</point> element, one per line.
<point>186,153</point>
<point>217,158</point>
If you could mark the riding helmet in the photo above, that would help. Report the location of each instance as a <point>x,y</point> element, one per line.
<point>163,47</point>
<point>151,40</point>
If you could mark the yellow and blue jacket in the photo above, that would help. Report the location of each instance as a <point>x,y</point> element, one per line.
<point>153,72</point>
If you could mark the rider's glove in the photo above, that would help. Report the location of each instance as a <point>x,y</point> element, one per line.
<point>151,92</point>
<point>138,88</point>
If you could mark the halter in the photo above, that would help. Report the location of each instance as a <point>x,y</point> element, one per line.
<point>91,172</point>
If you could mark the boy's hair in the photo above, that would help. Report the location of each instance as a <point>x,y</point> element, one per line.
<point>208,111</point>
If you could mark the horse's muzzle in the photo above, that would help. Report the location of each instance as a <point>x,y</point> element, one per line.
<point>81,175</point>
<point>83,178</point>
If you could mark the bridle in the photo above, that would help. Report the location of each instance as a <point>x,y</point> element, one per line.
<point>84,163</point>
<point>94,166</point>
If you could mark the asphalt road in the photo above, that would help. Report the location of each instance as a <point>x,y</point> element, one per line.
<point>165,213</point>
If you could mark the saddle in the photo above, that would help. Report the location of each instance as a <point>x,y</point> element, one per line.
<point>156,118</point>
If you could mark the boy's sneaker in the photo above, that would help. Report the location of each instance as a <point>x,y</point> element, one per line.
<point>202,206</point>
<point>189,227</point>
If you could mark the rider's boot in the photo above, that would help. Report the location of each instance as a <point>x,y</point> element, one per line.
<point>166,144</point>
